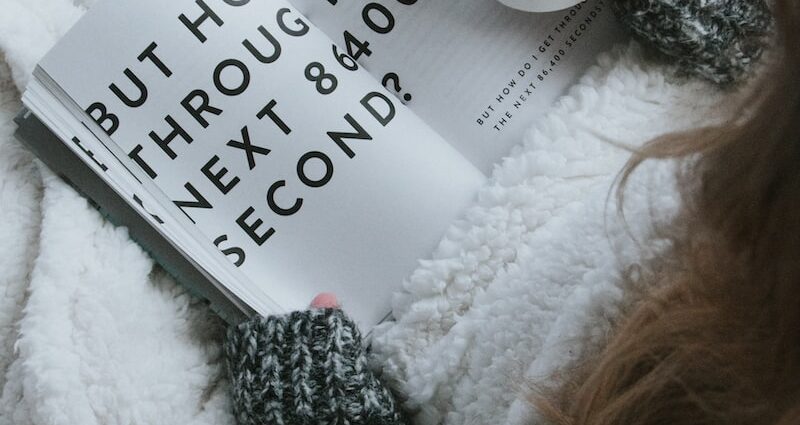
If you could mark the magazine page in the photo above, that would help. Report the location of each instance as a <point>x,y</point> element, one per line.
<point>283,152</point>
<point>476,71</point>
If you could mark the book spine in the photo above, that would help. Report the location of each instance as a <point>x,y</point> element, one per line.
<point>63,161</point>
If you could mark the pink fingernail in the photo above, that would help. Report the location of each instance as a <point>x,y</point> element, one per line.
<point>325,300</point>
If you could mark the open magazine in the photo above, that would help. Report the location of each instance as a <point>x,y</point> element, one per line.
<point>268,150</point>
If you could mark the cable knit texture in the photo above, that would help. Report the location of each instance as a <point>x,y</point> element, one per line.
<point>718,40</point>
<point>305,367</point>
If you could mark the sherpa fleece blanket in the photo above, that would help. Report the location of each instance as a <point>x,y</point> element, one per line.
<point>92,333</point>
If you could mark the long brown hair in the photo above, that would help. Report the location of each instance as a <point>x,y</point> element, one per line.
<point>716,336</point>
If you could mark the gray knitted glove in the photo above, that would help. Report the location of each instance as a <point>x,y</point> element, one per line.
<point>718,40</point>
<point>306,367</point>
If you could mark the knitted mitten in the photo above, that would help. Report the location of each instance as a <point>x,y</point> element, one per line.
<point>306,367</point>
<point>717,40</point>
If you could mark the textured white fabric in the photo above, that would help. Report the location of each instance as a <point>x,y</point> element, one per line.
<point>90,334</point>
<point>533,268</point>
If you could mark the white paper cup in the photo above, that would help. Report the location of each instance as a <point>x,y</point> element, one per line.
<point>540,5</point>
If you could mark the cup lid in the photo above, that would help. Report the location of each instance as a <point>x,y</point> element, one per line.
<point>540,5</point>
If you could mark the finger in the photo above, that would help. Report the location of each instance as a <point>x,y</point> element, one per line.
<point>325,300</point>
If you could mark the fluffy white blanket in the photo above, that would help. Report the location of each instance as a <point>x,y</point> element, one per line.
<point>92,333</point>
<point>532,274</point>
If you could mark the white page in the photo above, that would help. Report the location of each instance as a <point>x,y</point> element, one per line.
<point>360,233</point>
<point>456,58</point>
